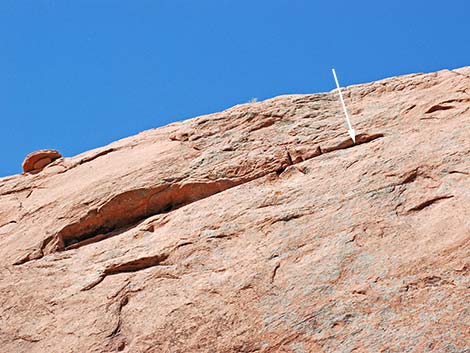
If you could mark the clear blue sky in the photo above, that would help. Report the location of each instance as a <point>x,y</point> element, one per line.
<point>76,75</point>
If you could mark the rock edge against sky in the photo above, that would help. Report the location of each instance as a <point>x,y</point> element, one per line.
<point>262,228</point>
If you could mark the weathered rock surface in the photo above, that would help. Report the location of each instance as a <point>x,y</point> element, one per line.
<point>36,161</point>
<point>258,229</point>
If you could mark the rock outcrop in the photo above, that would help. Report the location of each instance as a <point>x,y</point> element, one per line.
<point>262,228</point>
<point>36,161</point>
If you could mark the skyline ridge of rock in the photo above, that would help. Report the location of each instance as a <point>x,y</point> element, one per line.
<point>262,228</point>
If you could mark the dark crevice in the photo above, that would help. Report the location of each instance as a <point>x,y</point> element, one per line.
<point>280,170</point>
<point>428,281</point>
<point>302,170</point>
<point>86,239</point>
<point>457,100</point>
<point>98,235</point>
<point>136,265</point>
<point>437,107</point>
<point>287,163</point>
<point>360,139</point>
<point>287,218</point>
<point>458,172</point>
<point>99,154</point>
<point>222,236</point>
<point>168,208</point>
<point>289,158</point>
<point>16,191</point>
<point>407,110</point>
<point>351,164</point>
<point>127,267</point>
<point>5,224</point>
<point>409,177</point>
<point>94,283</point>
<point>428,203</point>
<point>126,210</point>
<point>26,258</point>
<point>117,328</point>
<point>27,339</point>
<point>273,275</point>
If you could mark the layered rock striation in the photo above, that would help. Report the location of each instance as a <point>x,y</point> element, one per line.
<point>262,228</point>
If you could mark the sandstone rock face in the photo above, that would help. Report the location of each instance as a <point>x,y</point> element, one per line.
<point>36,161</point>
<point>262,228</point>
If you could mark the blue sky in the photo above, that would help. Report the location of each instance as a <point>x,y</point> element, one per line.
<point>76,75</point>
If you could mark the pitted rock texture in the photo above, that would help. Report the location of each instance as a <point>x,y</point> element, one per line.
<point>36,161</point>
<point>262,228</point>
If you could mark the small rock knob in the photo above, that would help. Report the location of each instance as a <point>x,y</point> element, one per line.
<point>36,161</point>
